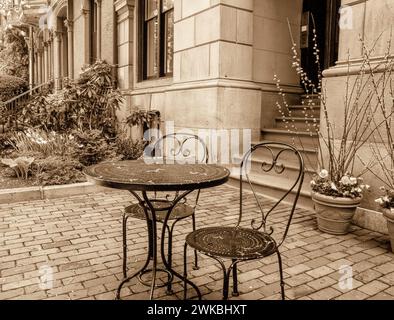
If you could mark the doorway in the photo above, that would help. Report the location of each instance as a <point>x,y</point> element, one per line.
<point>323,16</point>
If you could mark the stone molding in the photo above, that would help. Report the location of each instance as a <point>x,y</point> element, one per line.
<point>342,68</point>
<point>164,86</point>
<point>122,6</point>
<point>69,24</point>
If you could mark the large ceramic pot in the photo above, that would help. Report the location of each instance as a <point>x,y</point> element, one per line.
<point>389,215</point>
<point>334,215</point>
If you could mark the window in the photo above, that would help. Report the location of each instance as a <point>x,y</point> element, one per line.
<point>157,38</point>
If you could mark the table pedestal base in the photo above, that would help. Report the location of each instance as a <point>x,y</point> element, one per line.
<point>152,255</point>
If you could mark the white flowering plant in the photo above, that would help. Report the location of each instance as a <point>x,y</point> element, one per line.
<point>338,137</point>
<point>347,187</point>
<point>386,201</point>
<point>39,141</point>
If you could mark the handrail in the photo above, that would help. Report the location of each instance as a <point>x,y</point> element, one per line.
<point>10,107</point>
<point>27,92</point>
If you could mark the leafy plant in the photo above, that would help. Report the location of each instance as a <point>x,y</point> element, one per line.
<point>14,58</point>
<point>92,147</point>
<point>129,149</point>
<point>89,103</point>
<point>387,199</point>
<point>142,117</point>
<point>58,171</point>
<point>21,166</point>
<point>5,141</point>
<point>348,186</point>
<point>44,143</point>
<point>11,86</point>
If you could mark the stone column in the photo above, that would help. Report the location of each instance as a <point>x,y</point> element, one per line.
<point>57,63</point>
<point>70,42</point>
<point>46,62</point>
<point>98,3</point>
<point>31,58</point>
<point>50,57</point>
<point>125,22</point>
<point>39,66</point>
<point>86,31</point>
<point>36,80</point>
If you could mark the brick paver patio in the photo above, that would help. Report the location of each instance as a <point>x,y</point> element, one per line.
<point>80,239</point>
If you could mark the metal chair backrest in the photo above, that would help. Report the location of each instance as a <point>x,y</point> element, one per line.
<point>181,148</point>
<point>273,154</point>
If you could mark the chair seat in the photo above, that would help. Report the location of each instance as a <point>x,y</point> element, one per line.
<point>231,242</point>
<point>180,211</point>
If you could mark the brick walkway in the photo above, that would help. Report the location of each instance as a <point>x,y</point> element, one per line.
<point>79,238</point>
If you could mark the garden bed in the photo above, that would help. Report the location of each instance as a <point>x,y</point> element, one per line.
<point>8,182</point>
<point>61,133</point>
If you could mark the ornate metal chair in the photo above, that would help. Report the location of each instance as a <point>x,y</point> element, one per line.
<point>239,244</point>
<point>171,148</point>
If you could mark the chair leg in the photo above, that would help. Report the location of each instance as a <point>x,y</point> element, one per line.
<point>282,283</point>
<point>195,267</point>
<point>185,271</point>
<point>235,279</point>
<point>169,259</point>
<point>124,231</point>
<point>226,277</point>
<point>225,288</point>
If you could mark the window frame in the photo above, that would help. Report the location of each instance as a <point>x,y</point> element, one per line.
<point>161,46</point>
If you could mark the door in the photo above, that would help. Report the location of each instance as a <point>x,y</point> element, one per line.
<point>323,17</point>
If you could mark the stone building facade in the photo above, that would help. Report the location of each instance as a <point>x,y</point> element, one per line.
<point>221,65</point>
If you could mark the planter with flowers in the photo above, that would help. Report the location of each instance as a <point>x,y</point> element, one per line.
<point>386,202</point>
<point>337,189</point>
<point>336,203</point>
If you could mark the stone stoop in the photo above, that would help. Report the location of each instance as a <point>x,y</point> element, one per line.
<point>291,128</point>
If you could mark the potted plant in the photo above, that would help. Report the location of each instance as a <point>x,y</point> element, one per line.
<point>143,120</point>
<point>386,202</point>
<point>337,189</point>
<point>336,201</point>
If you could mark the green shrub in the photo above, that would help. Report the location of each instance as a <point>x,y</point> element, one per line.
<point>58,171</point>
<point>128,149</point>
<point>36,141</point>
<point>89,103</point>
<point>11,87</point>
<point>20,165</point>
<point>14,58</point>
<point>92,147</point>
<point>6,140</point>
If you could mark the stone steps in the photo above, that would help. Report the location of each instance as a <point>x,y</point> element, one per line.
<point>273,187</point>
<point>297,123</point>
<point>299,133</point>
<point>304,111</point>
<point>301,139</point>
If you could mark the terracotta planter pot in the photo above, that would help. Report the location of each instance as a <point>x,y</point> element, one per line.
<point>334,215</point>
<point>389,215</point>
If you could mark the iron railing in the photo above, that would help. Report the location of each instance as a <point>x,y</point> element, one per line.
<point>10,109</point>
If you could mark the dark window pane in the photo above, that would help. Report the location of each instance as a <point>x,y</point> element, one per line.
<point>169,38</point>
<point>151,9</point>
<point>168,4</point>
<point>152,47</point>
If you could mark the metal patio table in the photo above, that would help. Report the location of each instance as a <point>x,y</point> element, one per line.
<point>139,178</point>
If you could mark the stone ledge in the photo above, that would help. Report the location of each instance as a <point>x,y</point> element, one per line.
<point>47,193</point>
<point>371,220</point>
<point>20,194</point>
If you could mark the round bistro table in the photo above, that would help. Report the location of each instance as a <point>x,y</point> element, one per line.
<point>139,178</point>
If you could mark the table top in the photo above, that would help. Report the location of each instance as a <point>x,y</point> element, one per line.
<point>139,176</point>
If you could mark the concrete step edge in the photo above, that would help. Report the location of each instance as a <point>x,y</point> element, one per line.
<point>306,150</point>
